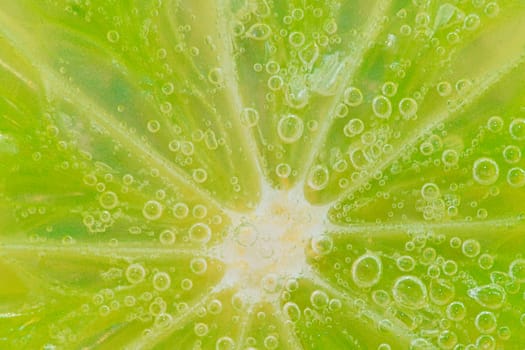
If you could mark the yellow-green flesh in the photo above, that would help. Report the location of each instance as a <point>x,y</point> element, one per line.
<point>258,174</point>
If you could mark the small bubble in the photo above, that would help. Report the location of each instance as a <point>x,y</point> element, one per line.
<point>322,244</point>
<point>198,266</point>
<point>491,9</point>
<point>517,129</point>
<point>249,117</point>
<point>199,175</point>
<point>485,322</point>
<point>152,210</point>
<point>225,343</point>
<point>319,299</point>
<point>444,88</point>
<point>113,36</point>
<point>318,177</point>
<point>407,107</point>
<point>200,233</point>
<point>456,311</point>
<point>512,154</point>
<point>259,31</point>
<point>200,329</point>
<point>441,291</point>
<point>180,210</point>
<point>485,171</point>
<point>382,107</point>
<point>290,128</point>
<point>449,157</point>
<point>296,39</point>
<point>167,237</point>
<point>491,296</point>
<point>271,342</point>
<point>405,263</point>
<point>367,270</point>
<point>471,22</point>
<point>495,124</point>
<point>352,96</point>
<point>283,170</point>
<point>153,126</point>
<point>517,270</point>
<point>410,292</point>
<point>186,284</point>
<point>447,339</point>
<point>430,191</point>
<point>108,200</point>
<point>354,127</point>
<point>292,311</point>
<point>135,273</point>
<point>389,89</point>
<point>167,89</point>
<point>161,281</point>
<point>470,248</point>
<point>216,76</point>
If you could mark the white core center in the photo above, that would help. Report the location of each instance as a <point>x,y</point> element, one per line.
<point>269,245</point>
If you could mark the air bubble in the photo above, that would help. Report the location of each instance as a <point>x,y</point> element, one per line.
<point>441,291</point>
<point>491,296</point>
<point>167,237</point>
<point>290,128</point>
<point>485,171</point>
<point>512,154</point>
<point>367,270</point>
<point>198,266</point>
<point>292,311</point>
<point>200,329</point>
<point>495,124</point>
<point>296,39</point>
<point>216,76</point>
<point>430,191</point>
<point>153,126</point>
<point>322,244</point>
<point>382,107</point>
<point>108,200</point>
<point>389,89</point>
<point>517,270</point>
<point>470,248</point>
<point>318,177</point>
<point>259,31</point>
<point>405,263</point>
<point>456,311</point>
<point>199,175</point>
<point>410,292</point>
<point>152,210</point>
<point>485,322</point>
<point>113,36</point>
<point>516,177</point>
<point>353,96</point>
<point>517,129</point>
<point>283,170</point>
<point>135,273</point>
<point>444,88</point>
<point>225,343</point>
<point>271,342</point>
<point>180,210</point>
<point>471,22</point>
<point>249,117</point>
<point>200,233</point>
<point>407,107</point>
<point>353,127</point>
<point>319,299</point>
<point>161,281</point>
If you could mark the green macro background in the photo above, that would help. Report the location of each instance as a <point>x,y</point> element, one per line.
<point>134,133</point>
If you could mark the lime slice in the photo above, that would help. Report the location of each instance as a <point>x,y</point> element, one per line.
<point>256,174</point>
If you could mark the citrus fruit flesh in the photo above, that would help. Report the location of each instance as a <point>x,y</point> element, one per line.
<point>257,174</point>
